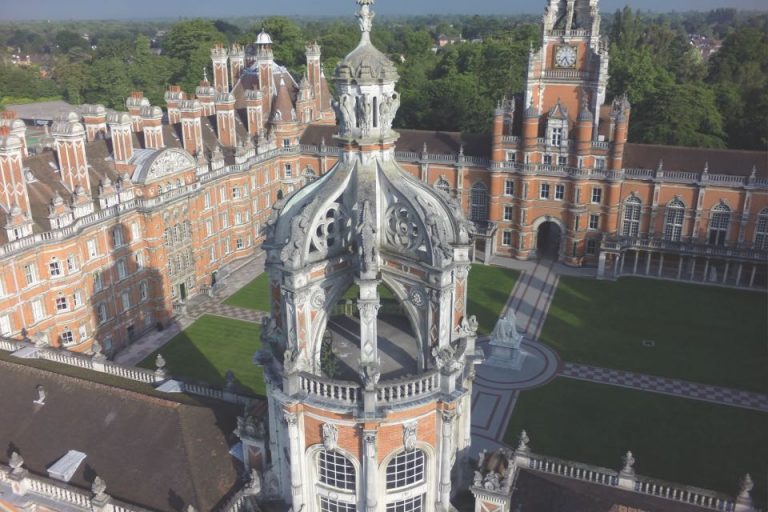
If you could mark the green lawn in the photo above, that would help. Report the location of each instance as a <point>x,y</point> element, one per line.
<point>254,295</point>
<point>489,289</point>
<point>205,350</point>
<point>673,439</point>
<point>703,334</point>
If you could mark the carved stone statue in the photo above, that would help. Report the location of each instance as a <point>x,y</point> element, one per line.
<point>629,463</point>
<point>98,488</point>
<point>348,116</point>
<point>330,436</point>
<point>409,435</point>
<point>481,459</point>
<point>17,463</point>
<point>254,484</point>
<point>369,375</point>
<point>478,479</point>
<point>491,481</point>
<point>367,233</point>
<point>41,394</point>
<point>506,330</point>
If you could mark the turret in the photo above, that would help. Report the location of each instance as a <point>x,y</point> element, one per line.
<point>13,195</point>
<point>173,96</point>
<point>265,61</point>
<point>531,119</point>
<point>152,122</point>
<point>236,62</point>
<point>134,103</point>
<point>367,222</point>
<point>225,120</point>
<point>120,127</point>
<point>206,95</point>
<point>620,120</point>
<point>69,136</point>
<point>220,56</point>
<point>255,112</point>
<point>191,128</point>
<point>314,76</point>
<point>16,128</point>
<point>95,119</point>
<point>584,125</point>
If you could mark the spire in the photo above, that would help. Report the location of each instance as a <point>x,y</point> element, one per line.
<point>365,18</point>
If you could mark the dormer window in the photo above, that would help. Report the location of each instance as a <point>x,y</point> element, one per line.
<point>556,136</point>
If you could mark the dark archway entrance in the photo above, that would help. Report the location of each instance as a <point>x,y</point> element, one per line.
<point>548,240</point>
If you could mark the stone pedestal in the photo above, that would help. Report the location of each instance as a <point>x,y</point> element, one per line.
<point>502,354</point>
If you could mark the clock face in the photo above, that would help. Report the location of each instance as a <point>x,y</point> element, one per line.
<point>565,56</point>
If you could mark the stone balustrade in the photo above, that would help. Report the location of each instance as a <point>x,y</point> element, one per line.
<point>133,373</point>
<point>684,494</point>
<point>575,470</point>
<point>404,390</point>
<point>345,393</point>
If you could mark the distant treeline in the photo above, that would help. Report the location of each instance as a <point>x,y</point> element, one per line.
<point>678,97</point>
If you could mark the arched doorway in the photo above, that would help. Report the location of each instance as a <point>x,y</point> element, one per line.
<point>548,238</point>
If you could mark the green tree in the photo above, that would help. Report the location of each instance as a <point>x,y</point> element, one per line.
<point>289,41</point>
<point>679,115</point>
<point>190,42</point>
<point>68,39</point>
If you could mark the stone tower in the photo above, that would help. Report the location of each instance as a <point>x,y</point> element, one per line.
<point>369,398</point>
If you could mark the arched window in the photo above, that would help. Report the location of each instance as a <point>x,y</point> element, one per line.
<point>631,226</point>
<point>761,232</point>
<point>336,470</point>
<point>443,185</point>
<point>406,469</point>
<point>719,219</point>
<point>478,210</point>
<point>673,221</point>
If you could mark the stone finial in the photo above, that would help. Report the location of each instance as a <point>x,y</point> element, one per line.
<point>629,463</point>
<point>424,148</point>
<point>660,166</point>
<point>746,487</point>
<point>160,370</point>
<point>254,483</point>
<point>522,446</point>
<point>229,379</point>
<point>190,508</point>
<point>98,488</point>
<point>41,394</point>
<point>16,463</point>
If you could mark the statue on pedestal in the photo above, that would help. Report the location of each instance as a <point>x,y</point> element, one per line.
<point>506,332</point>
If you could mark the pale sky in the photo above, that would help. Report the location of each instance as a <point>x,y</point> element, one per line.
<point>116,9</point>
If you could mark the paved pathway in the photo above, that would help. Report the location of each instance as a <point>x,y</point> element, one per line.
<point>674,387</point>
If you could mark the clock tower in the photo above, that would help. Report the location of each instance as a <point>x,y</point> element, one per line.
<point>553,182</point>
<point>570,70</point>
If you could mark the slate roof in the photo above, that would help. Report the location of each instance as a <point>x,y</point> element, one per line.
<point>676,158</point>
<point>151,452</point>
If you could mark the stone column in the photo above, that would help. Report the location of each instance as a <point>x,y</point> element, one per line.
<point>601,266</point>
<point>370,468</point>
<point>297,498</point>
<point>637,257</point>
<point>661,264</point>
<point>752,276</point>
<point>725,272</point>
<point>738,274</point>
<point>445,460</point>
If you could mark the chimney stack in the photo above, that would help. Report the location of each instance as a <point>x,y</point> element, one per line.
<point>191,131</point>
<point>95,118</point>
<point>120,126</point>
<point>134,104</point>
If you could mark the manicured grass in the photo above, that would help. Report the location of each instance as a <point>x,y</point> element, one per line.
<point>489,289</point>
<point>205,350</point>
<point>703,334</point>
<point>254,295</point>
<point>674,439</point>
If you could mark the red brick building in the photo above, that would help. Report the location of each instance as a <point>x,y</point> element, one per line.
<point>128,214</point>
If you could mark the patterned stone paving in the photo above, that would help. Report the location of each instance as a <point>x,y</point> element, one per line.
<point>666,386</point>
